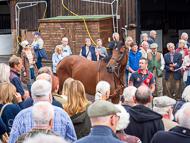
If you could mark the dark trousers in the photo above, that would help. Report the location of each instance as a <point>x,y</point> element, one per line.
<point>39,62</point>
<point>188,81</point>
<point>176,87</point>
<point>126,75</point>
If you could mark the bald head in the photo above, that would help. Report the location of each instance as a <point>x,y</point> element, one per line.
<point>44,76</point>
<point>153,33</point>
<point>143,95</point>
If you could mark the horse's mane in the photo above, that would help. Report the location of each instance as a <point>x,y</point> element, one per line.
<point>107,59</point>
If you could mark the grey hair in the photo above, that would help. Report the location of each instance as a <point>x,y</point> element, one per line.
<point>184,117</point>
<point>41,89</point>
<point>87,39</point>
<point>44,138</point>
<point>152,31</point>
<point>169,44</point>
<point>103,120</point>
<point>186,94</point>
<point>129,92</point>
<point>98,40</point>
<point>4,73</point>
<point>161,110</point>
<point>24,43</point>
<point>64,38</point>
<point>144,34</point>
<point>186,35</point>
<point>42,113</point>
<point>124,118</point>
<point>183,41</point>
<point>101,89</point>
<point>115,34</point>
<point>144,42</point>
<point>45,70</point>
<point>184,105</point>
<point>143,94</point>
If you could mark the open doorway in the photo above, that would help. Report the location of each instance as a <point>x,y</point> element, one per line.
<point>170,17</point>
<point>5,28</point>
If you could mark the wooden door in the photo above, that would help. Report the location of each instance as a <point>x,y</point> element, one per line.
<point>68,30</point>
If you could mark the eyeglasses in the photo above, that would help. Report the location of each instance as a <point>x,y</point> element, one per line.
<point>27,44</point>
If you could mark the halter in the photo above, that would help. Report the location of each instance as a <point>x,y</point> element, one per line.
<point>119,62</point>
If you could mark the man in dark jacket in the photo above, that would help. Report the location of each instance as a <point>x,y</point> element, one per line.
<point>178,134</point>
<point>173,71</point>
<point>112,44</point>
<point>104,121</point>
<point>144,122</point>
<point>151,38</point>
<point>15,64</point>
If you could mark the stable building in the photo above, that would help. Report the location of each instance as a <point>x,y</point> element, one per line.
<point>168,17</point>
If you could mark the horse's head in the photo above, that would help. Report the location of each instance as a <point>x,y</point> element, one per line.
<point>118,57</point>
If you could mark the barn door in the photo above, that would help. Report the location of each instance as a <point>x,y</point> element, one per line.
<point>68,30</point>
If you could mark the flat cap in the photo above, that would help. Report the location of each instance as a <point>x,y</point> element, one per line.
<point>36,33</point>
<point>153,46</point>
<point>163,101</point>
<point>102,108</point>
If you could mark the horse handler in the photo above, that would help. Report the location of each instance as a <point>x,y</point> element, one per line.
<point>142,76</point>
<point>38,48</point>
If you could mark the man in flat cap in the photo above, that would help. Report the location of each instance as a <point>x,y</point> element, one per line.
<point>104,121</point>
<point>156,66</point>
<point>178,134</point>
<point>163,105</point>
<point>144,122</point>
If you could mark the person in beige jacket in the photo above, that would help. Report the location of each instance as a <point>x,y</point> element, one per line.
<point>164,106</point>
<point>145,49</point>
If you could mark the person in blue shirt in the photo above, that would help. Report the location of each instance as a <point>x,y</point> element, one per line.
<point>134,58</point>
<point>101,50</point>
<point>3,128</point>
<point>9,110</point>
<point>66,48</point>
<point>23,123</point>
<point>57,57</point>
<point>104,122</point>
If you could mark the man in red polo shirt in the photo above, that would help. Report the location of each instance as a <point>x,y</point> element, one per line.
<point>142,76</point>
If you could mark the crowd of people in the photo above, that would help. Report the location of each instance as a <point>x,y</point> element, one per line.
<point>41,115</point>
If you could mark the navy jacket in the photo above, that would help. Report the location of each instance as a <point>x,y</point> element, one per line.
<point>15,80</point>
<point>151,40</point>
<point>29,102</point>
<point>179,105</point>
<point>9,113</point>
<point>3,127</point>
<point>100,134</point>
<point>144,123</point>
<point>92,50</point>
<point>111,45</point>
<point>175,135</point>
<point>176,60</point>
<point>177,45</point>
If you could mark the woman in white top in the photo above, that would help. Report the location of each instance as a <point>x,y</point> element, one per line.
<point>186,68</point>
<point>28,57</point>
<point>57,57</point>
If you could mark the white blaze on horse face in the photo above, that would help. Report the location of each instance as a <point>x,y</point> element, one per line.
<point>116,49</point>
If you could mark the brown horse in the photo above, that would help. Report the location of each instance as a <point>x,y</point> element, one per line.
<point>110,69</point>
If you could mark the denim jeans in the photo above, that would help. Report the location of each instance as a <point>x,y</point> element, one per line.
<point>126,75</point>
<point>39,63</point>
<point>188,81</point>
<point>33,75</point>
